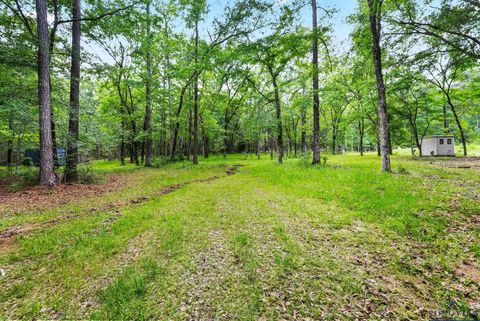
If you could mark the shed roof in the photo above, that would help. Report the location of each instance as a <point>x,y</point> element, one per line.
<point>439,136</point>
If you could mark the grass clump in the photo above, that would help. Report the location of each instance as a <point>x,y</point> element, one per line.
<point>122,299</point>
<point>402,170</point>
<point>243,249</point>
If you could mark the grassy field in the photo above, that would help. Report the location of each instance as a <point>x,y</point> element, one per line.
<point>336,242</point>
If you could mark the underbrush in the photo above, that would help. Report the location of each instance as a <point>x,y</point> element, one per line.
<point>22,178</point>
<point>88,175</point>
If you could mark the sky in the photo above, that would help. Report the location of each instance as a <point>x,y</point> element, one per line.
<point>341,30</point>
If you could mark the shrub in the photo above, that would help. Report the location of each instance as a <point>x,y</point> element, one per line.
<point>305,160</point>
<point>402,170</point>
<point>87,175</point>
<point>159,162</point>
<point>27,161</point>
<point>324,160</point>
<point>29,176</point>
<point>25,177</point>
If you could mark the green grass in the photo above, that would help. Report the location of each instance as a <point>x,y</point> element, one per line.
<point>340,241</point>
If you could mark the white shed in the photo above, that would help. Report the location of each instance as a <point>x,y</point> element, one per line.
<point>438,145</point>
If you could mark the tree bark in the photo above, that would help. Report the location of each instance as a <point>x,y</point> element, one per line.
<point>259,149</point>
<point>316,99</point>
<point>9,153</point>
<point>189,132</point>
<point>304,133</point>
<point>148,95</point>
<point>361,132</point>
<point>375,28</point>
<point>122,141</point>
<point>47,173</point>
<point>173,144</point>
<point>270,140</point>
<point>445,121</point>
<point>379,152</point>
<point>334,139</point>
<point>51,47</point>
<point>459,125</point>
<point>225,135</point>
<point>71,173</point>
<point>133,136</point>
<point>195,100</point>
<point>278,113</point>
<point>205,149</point>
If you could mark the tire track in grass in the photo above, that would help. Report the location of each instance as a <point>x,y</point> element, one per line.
<point>150,307</point>
<point>102,233</point>
<point>215,277</point>
<point>7,235</point>
<point>222,283</point>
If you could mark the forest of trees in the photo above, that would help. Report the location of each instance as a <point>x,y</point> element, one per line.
<point>146,80</point>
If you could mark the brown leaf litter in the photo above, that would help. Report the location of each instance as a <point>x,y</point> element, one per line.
<point>38,198</point>
<point>42,196</point>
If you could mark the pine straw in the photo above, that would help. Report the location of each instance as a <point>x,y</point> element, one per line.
<point>41,198</point>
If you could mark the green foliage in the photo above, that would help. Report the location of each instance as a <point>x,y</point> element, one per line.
<point>160,162</point>
<point>24,177</point>
<point>324,160</point>
<point>121,299</point>
<point>27,161</point>
<point>88,175</point>
<point>402,170</point>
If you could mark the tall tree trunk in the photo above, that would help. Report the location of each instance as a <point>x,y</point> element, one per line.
<point>195,101</point>
<point>163,137</point>
<point>176,128</point>
<point>147,127</point>
<point>278,113</point>
<point>416,137</point>
<point>270,142</point>
<point>459,125</point>
<point>47,173</point>
<point>304,132</point>
<point>265,142</point>
<point>204,139</point>
<point>361,132</point>
<point>189,132</point>
<point>390,148</point>
<point>18,149</point>
<point>289,137</point>
<point>133,136</point>
<point>54,134</point>
<point>445,121</point>
<point>9,154</point>
<point>334,139</point>
<point>206,150</point>
<point>170,105</point>
<point>51,47</point>
<point>122,142</point>
<point>226,123</point>
<point>71,173</point>
<point>375,28</point>
<point>316,99</point>
<point>122,122</point>
<point>295,124</point>
<point>379,152</point>
<point>259,149</point>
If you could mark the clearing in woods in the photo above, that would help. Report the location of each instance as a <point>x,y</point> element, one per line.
<point>258,241</point>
